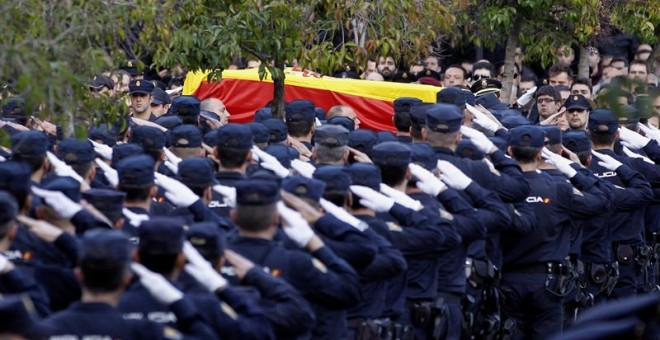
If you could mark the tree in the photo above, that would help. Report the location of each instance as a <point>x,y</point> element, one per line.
<point>321,35</point>
<point>51,49</point>
<point>541,26</point>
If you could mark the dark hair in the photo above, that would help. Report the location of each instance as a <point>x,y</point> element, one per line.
<point>465,73</point>
<point>156,154</point>
<point>328,154</point>
<point>254,217</point>
<point>583,81</point>
<point>548,90</point>
<point>558,69</point>
<point>525,154</point>
<point>392,174</point>
<point>35,161</point>
<point>619,59</point>
<point>231,157</point>
<point>299,128</point>
<point>159,263</point>
<point>189,120</point>
<point>484,65</point>
<point>102,276</point>
<point>640,62</point>
<point>584,156</point>
<point>402,121</point>
<point>136,194</point>
<point>338,197</point>
<point>529,77</point>
<point>82,168</point>
<point>603,138</point>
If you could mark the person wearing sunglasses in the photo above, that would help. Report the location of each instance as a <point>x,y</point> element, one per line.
<point>481,70</point>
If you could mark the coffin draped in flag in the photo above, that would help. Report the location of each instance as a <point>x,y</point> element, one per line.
<point>243,93</point>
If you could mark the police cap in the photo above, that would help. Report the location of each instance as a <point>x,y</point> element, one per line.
<point>196,172</point>
<point>404,104</point>
<point>423,155</point>
<point>74,151</point>
<point>185,136</point>
<point>467,149</point>
<point>277,131</point>
<point>362,140</point>
<point>185,106</point>
<point>577,101</point>
<point>140,86</point>
<point>259,133</point>
<point>161,97</point>
<point>603,121</point>
<point>29,143</point>
<point>532,136</point>
<point>109,202</point>
<point>365,174</point>
<point>443,118</point>
<point>552,134</point>
<point>577,140</point>
<point>451,95</point>
<point>121,151</point>
<point>304,187</point>
<point>149,137</point>
<point>484,86</point>
<point>346,122</point>
<point>207,239</point>
<point>105,246</point>
<point>161,235</point>
<point>392,154</point>
<point>257,192</point>
<point>335,177</point>
<point>299,111</point>
<point>281,152</point>
<point>66,185</point>
<point>136,171</point>
<point>331,136</point>
<point>236,136</point>
<point>263,114</point>
<point>514,121</point>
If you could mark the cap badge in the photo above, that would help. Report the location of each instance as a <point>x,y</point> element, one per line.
<point>575,98</point>
<point>130,64</point>
<point>484,83</point>
<point>137,83</point>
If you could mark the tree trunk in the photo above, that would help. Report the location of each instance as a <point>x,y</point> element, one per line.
<point>654,59</point>
<point>509,59</point>
<point>583,63</point>
<point>278,92</point>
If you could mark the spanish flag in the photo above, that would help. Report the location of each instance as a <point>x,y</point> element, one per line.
<point>243,93</point>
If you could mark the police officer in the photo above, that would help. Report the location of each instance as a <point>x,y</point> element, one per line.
<point>161,250</point>
<point>626,226</point>
<point>323,279</point>
<point>401,117</point>
<point>533,275</point>
<point>140,92</point>
<point>104,273</point>
<point>284,307</point>
<point>299,116</point>
<point>186,141</point>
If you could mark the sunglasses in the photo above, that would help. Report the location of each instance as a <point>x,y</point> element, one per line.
<point>479,77</point>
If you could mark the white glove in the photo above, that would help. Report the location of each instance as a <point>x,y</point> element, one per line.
<point>4,263</point>
<point>157,285</point>
<point>58,201</point>
<point>62,169</point>
<point>305,169</point>
<point>296,228</point>
<point>453,176</point>
<point>526,97</point>
<point>176,192</point>
<point>102,150</point>
<point>562,164</point>
<point>202,270</point>
<point>607,161</point>
<point>426,181</point>
<point>228,192</point>
<point>632,139</point>
<point>401,197</point>
<point>133,218</point>
<point>479,140</point>
<point>632,154</point>
<point>271,163</point>
<point>372,199</point>
<point>111,174</point>
<point>650,131</point>
<point>171,160</point>
<point>343,215</point>
<point>482,120</point>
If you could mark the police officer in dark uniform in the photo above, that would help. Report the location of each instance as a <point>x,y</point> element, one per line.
<point>299,116</point>
<point>330,145</point>
<point>533,274</point>
<point>104,273</point>
<point>136,180</point>
<point>161,250</point>
<point>322,278</point>
<point>626,224</point>
<point>401,117</point>
<point>140,92</point>
<point>288,312</point>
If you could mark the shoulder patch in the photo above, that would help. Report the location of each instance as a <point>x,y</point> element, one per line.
<point>393,227</point>
<point>228,310</point>
<point>319,265</point>
<point>446,215</point>
<point>171,333</point>
<point>577,192</point>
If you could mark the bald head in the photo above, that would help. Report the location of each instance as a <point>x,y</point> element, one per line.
<point>216,106</point>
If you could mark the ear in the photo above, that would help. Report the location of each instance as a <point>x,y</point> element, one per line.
<point>154,191</point>
<point>345,157</point>
<point>459,136</point>
<point>180,261</point>
<point>408,175</point>
<point>248,157</point>
<point>424,133</point>
<point>314,153</point>
<point>588,161</point>
<point>208,193</point>
<point>77,273</point>
<point>509,151</point>
<point>348,200</point>
<point>91,173</point>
